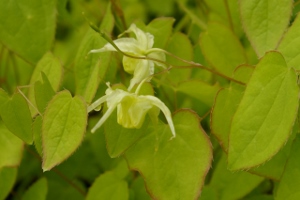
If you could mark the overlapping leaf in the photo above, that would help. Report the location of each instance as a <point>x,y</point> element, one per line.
<point>51,67</point>
<point>108,186</point>
<point>288,188</point>
<point>289,45</point>
<point>28,28</point>
<point>266,114</point>
<point>223,53</point>
<point>8,177</point>
<point>63,128</point>
<point>89,67</point>
<point>265,22</point>
<point>168,166</point>
<point>16,115</point>
<point>11,148</point>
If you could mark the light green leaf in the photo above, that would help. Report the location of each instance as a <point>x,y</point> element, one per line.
<point>109,187</point>
<point>63,128</point>
<point>7,180</point>
<point>3,97</point>
<point>11,148</point>
<point>288,188</point>
<point>179,45</point>
<point>173,169</point>
<point>37,134</point>
<point>289,45</point>
<point>139,189</point>
<point>43,92</point>
<point>89,67</point>
<point>265,22</point>
<point>226,104</point>
<point>118,138</point>
<point>16,116</point>
<point>50,66</point>
<point>28,27</point>
<point>231,19</point>
<point>274,168</point>
<point>223,53</point>
<point>37,191</point>
<point>161,29</point>
<point>266,114</point>
<point>231,185</point>
<point>199,90</point>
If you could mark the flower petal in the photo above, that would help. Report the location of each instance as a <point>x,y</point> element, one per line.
<point>143,69</point>
<point>159,56</point>
<point>158,103</point>
<point>97,103</point>
<point>127,45</point>
<point>145,40</point>
<point>104,118</point>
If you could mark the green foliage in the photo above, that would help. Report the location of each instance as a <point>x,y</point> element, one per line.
<point>37,191</point>
<point>63,128</point>
<point>265,22</point>
<point>199,104</point>
<point>7,179</point>
<point>266,113</point>
<point>16,116</point>
<point>29,32</point>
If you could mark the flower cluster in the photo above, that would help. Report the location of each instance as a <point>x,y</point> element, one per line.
<point>131,107</point>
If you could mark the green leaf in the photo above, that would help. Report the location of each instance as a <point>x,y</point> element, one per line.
<point>3,97</point>
<point>28,28</point>
<point>199,90</point>
<point>265,22</point>
<point>89,67</point>
<point>43,92</point>
<point>265,115</point>
<point>37,191</point>
<point>226,104</point>
<point>231,19</point>
<point>288,188</point>
<point>7,180</point>
<point>37,134</point>
<point>109,187</point>
<point>16,116</point>
<point>139,189</point>
<point>232,185</point>
<point>11,148</point>
<point>173,169</point>
<point>223,53</point>
<point>290,42</point>
<point>63,128</point>
<point>50,66</point>
<point>118,138</point>
<point>179,45</point>
<point>161,29</point>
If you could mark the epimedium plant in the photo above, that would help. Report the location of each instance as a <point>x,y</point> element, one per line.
<point>227,70</point>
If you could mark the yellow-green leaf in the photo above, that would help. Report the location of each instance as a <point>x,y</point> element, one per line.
<point>63,128</point>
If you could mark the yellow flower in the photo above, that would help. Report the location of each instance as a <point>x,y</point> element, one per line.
<point>131,108</point>
<point>140,46</point>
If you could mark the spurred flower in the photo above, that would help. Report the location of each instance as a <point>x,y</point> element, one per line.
<point>140,46</point>
<point>131,108</point>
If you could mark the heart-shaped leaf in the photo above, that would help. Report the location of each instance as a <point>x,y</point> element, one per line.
<point>173,169</point>
<point>63,128</point>
<point>265,22</point>
<point>266,114</point>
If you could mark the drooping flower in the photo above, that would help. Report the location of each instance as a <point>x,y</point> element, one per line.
<point>131,108</point>
<point>140,46</point>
